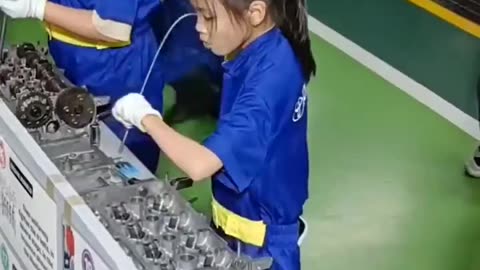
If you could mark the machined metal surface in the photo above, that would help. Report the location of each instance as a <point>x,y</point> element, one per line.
<point>148,218</point>
<point>161,230</point>
<point>31,83</point>
<point>60,117</point>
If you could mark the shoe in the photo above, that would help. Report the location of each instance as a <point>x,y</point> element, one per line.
<point>303,230</point>
<point>472,168</point>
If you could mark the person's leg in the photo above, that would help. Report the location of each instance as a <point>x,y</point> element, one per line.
<point>144,148</point>
<point>286,257</point>
<point>196,95</point>
<point>285,253</point>
<point>281,245</point>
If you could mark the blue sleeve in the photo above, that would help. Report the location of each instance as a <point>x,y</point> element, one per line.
<point>123,11</point>
<point>241,140</point>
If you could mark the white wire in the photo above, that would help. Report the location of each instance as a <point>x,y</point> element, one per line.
<point>178,20</point>
<point>161,46</point>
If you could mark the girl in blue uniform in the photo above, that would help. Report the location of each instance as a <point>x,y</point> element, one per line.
<point>106,46</point>
<point>258,155</point>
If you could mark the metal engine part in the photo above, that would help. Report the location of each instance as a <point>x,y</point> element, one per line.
<point>60,116</point>
<point>41,95</point>
<point>151,222</point>
<point>160,229</point>
<point>75,107</point>
<point>34,109</point>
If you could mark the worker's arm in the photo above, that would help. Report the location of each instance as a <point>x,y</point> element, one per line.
<point>194,159</point>
<point>86,23</point>
<point>111,21</point>
<point>238,146</point>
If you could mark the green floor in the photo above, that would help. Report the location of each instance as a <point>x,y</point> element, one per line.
<point>387,189</point>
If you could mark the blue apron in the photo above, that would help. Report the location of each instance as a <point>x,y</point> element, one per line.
<point>261,139</point>
<point>117,71</point>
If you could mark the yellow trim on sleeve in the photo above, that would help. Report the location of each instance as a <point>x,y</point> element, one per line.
<point>59,34</point>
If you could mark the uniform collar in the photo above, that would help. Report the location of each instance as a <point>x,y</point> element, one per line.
<point>231,66</point>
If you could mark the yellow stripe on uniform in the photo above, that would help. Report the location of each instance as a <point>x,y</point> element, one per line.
<point>60,34</point>
<point>243,229</point>
<point>449,16</point>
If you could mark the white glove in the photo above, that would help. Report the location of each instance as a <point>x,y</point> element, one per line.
<point>131,109</point>
<point>24,8</point>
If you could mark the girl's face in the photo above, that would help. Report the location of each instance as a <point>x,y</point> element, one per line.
<point>218,29</point>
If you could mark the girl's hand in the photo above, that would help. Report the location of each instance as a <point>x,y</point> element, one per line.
<point>131,109</point>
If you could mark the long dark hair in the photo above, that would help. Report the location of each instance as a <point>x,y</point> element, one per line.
<point>293,22</point>
<point>291,17</point>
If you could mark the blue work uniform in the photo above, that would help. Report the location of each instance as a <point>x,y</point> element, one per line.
<point>183,48</point>
<point>261,139</point>
<point>117,71</point>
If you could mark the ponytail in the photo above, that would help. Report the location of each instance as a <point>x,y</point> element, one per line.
<point>291,17</point>
<point>294,25</point>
